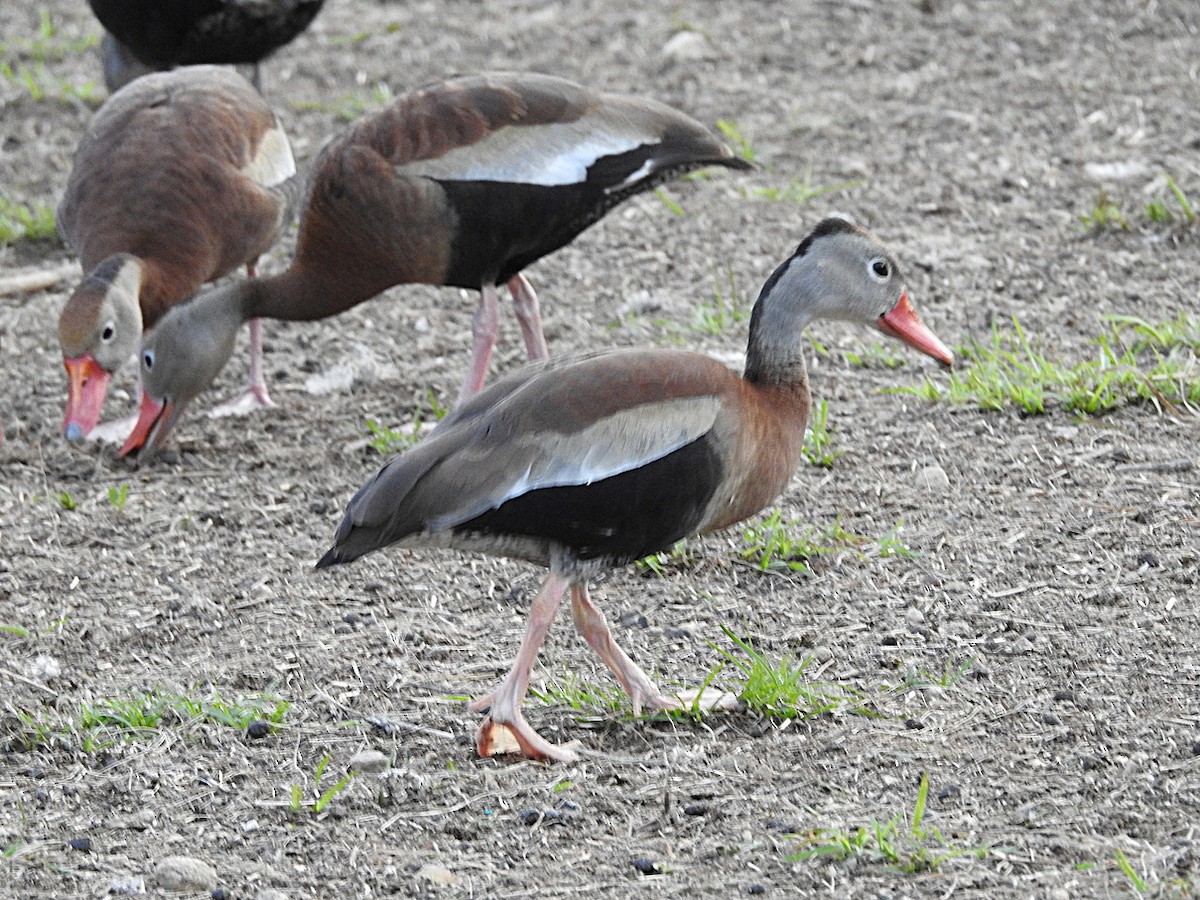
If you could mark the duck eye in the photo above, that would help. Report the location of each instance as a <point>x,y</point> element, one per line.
<point>880,268</point>
<point>148,359</point>
<point>108,332</point>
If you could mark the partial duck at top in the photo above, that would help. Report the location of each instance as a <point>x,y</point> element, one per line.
<point>180,178</point>
<point>585,464</point>
<point>464,183</point>
<point>153,35</point>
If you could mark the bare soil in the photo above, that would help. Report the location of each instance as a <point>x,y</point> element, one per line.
<point>1058,569</point>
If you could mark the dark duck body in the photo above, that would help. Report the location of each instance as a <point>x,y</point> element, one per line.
<point>584,464</point>
<point>155,35</point>
<point>463,183</point>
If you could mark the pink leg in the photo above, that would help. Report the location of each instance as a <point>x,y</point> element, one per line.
<point>504,703</point>
<point>485,328</point>
<point>529,316</point>
<point>255,396</point>
<point>590,623</point>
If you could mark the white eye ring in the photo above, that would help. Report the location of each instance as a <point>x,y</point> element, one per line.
<point>148,359</point>
<point>880,269</point>
<point>108,332</point>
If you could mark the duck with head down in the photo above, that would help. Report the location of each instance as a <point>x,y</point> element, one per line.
<point>462,183</point>
<point>586,464</point>
<point>180,178</point>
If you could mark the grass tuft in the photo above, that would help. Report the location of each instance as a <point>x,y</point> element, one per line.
<point>19,221</point>
<point>1135,362</point>
<point>903,843</point>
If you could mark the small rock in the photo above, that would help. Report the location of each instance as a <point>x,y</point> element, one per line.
<point>914,724</point>
<point>83,844</point>
<point>258,729</point>
<point>127,886</point>
<point>184,873</point>
<point>696,809</point>
<point>646,866</point>
<point>632,619</point>
<point>687,46</point>
<point>949,792</point>
<point>1021,646</point>
<point>437,874</point>
<point>220,894</point>
<point>933,478</point>
<point>270,894</point>
<point>369,762</point>
<point>755,889</point>
<point>1050,719</point>
<point>44,668</point>
<point>1064,697</point>
<point>529,817</point>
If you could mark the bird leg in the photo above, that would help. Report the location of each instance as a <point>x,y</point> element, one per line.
<point>592,626</point>
<point>255,396</point>
<point>529,316</point>
<point>504,703</point>
<point>485,328</point>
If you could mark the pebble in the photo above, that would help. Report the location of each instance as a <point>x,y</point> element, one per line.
<point>127,886</point>
<point>755,889</point>
<point>437,874</point>
<point>646,866</point>
<point>687,46</point>
<point>270,894</point>
<point>369,762</point>
<point>933,478</point>
<point>258,729</point>
<point>83,844</point>
<point>184,873</point>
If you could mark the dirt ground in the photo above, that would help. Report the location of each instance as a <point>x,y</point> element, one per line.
<point>1036,655</point>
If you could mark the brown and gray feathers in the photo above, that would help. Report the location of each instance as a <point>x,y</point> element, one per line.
<point>467,181</point>
<point>188,172</point>
<point>605,458</point>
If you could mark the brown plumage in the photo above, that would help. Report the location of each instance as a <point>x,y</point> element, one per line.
<point>599,461</point>
<point>180,178</point>
<point>464,183</point>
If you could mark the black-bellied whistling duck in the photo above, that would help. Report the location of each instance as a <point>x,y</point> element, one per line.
<point>463,183</point>
<point>149,35</point>
<point>180,178</point>
<point>586,464</point>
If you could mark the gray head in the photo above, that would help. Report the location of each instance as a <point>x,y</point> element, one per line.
<point>840,271</point>
<point>181,357</point>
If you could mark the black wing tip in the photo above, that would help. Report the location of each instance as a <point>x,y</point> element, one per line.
<point>333,557</point>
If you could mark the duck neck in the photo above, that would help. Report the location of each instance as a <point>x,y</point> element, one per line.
<point>775,351</point>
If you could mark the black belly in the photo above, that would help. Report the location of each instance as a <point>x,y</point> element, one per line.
<point>621,518</point>
<point>502,227</point>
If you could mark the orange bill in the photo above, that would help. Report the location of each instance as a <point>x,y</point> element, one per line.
<point>902,321</point>
<point>87,386</point>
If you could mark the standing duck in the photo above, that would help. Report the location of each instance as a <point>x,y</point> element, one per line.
<point>461,183</point>
<point>592,463</point>
<point>180,178</point>
<point>150,35</point>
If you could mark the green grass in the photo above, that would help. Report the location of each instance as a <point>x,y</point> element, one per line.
<point>729,307</point>
<point>20,221</point>
<point>779,688</point>
<point>1136,881</point>
<point>320,799</point>
<point>117,496</point>
<point>904,843</point>
<point>1134,362</point>
<point>349,106</point>
<point>876,355</point>
<point>385,440</point>
<point>771,544</point>
<point>572,691</point>
<point>817,441</point>
<point>801,190</point>
<point>666,562</point>
<point>108,722</point>
<point>1167,208</point>
<point>741,144</point>
<point>48,45</point>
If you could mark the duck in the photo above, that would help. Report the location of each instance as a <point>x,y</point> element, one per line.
<point>464,183</point>
<point>180,178</point>
<point>143,36</point>
<point>584,464</point>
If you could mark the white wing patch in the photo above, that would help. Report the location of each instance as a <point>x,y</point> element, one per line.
<point>273,163</point>
<point>618,443</point>
<point>548,155</point>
